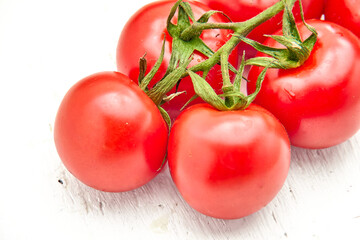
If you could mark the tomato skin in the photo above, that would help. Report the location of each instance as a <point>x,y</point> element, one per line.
<point>319,102</point>
<point>109,134</point>
<point>344,13</point>
<point>228,164</point>
<point>144,33</point>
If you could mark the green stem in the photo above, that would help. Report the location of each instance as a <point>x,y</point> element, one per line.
<point>240,28</point>
<point>186,40</point>
<point>227,85</point>
<point>197,27</point>
<point>224,60</point>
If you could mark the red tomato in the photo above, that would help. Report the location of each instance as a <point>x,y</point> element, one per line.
<point>144,33</point>
<point>345,13</point>
<point>228,164</point>
<point>109,134</point>
<point>319,102</point>
<point>241,10</point>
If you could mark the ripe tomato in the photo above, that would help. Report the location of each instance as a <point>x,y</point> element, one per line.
<point>241,10</point>
<point>109,134</point>
<point>345,13</point>
<point>228,164</point>
<point>319,102</point>
<point>144,33</point>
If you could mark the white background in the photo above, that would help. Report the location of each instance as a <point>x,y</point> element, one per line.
<point>45,47</point>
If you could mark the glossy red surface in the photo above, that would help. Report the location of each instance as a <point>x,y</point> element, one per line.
<point>345,13</point>
<point>319,102</point>
<point>109,134</point>
<point>228,164</point>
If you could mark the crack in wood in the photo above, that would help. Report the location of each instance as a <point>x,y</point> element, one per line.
<point>101,207</point>
<point>273,215</point>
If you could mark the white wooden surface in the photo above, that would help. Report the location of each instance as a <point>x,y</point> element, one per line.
<point>45,47</point>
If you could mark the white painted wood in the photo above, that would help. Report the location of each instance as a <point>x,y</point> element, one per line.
<point>45,47</point>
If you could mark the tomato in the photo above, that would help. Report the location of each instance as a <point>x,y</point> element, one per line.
<point>241,10</point>
<point>228,164</point>
<point>345,13</point>
<point>319,102</point>
<point>109,134</point>
<point>144,33</point>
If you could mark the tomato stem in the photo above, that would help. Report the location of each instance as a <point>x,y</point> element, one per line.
<point>240,29</point>
<point>186,39</point>
<point>165,85</point>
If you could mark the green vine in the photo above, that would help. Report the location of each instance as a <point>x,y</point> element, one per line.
<point>186,40</point>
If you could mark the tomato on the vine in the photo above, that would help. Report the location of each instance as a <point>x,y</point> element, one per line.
<point>228,164</point>
<point>318,102</point>
<point>109,134</point>
<point>345,13</point>
<point>144,33</point>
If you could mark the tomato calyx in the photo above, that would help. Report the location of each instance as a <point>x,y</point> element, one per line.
<point>296,51</point>
<point>232,97</point>
<point>182,48</point>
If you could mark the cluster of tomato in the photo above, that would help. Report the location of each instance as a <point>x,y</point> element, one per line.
<point>226,164</point>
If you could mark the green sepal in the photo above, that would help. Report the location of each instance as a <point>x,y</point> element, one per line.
<point>195,96</point>
<point>182,50</point>
<point>296,51</point>
<point>265,61</point>
<point>280,57</point>
<point>172,28</point>
<point>232,94</point>
<point>289,25</point>
<point>250,98</point>
<point>203,89</point>
<point>165,116</point>
<point>206,92</point>
<point>187,9</point>
<point>183,45</point>
<point>144,81</point>
<point>311,40</point>
<point>239,75</point>
<point>206,16</point>
<point>274,52</point>
<point>232,97</point>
